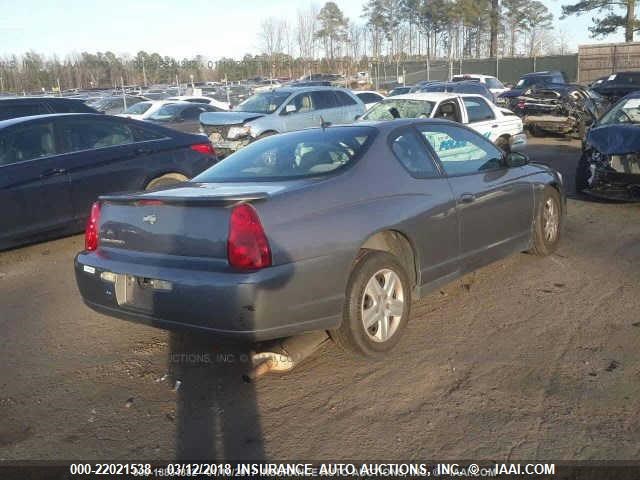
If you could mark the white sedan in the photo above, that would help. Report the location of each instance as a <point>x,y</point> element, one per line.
<point>143,110</point>
<point>499,125</point>
<point>201,99</point>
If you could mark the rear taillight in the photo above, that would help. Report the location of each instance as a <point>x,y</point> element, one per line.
<point>247,245</point>
<point>204,148</point>
<point>91,233</point>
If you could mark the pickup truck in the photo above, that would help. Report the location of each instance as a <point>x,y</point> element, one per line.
<point>499,125</point>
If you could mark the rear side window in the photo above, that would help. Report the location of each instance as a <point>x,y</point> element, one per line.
<point>344,98</point>
<point>145,135</point>
<point>25,110</point>
<point>192,113</point>
<point>412,153</point>
<point>477,109</point>
<point>369,97</point>
<point>85,134</point>
<point>26,142</point>
<point>324,100</point>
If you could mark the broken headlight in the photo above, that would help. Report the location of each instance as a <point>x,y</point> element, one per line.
<point>599,158</point>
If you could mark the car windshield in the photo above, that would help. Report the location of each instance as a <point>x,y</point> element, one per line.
<point>138,108</point>
<point>400,108</point>
<point>294,155</point>
<point>166,112</point>
<point>626,111</point>
<point>267,102</point>
<point>528,81</point>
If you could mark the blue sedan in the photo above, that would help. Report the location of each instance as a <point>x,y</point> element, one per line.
<point>53,167</point>
<point>332,229</point>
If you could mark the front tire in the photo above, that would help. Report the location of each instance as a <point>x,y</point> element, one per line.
<point>377,305</point>
<point>547,224</point>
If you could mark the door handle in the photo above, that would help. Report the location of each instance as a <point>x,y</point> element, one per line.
<point>495,126</point>
<point>467,198</point>
<point>141,151</point>
<point>53,172</point>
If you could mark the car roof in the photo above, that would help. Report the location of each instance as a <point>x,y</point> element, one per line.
<point>472,75</point>
<point>38,98</point>
<point>18,120</point>
<point>291,90</point>
<point>544,72</point>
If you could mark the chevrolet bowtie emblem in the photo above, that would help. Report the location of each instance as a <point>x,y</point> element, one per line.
<point>151,219</point>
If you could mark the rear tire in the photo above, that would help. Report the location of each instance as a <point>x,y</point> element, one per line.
<point>166,180</point>
<point>547,224</point>
<point>378,293</point>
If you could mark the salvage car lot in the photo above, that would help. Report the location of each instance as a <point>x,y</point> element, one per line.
<point>527,358</point>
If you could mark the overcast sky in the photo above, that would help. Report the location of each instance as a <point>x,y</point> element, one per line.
<point>179,28</point>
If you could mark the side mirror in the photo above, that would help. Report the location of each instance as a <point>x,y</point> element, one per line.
<point>290,108</point>
<point>516,159</point>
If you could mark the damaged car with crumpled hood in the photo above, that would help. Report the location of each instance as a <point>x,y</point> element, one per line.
<point>610,163</point>
<point>563,109</point>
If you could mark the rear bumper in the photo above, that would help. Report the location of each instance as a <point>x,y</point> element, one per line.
<point>262,305</point>
<point>551,123</point>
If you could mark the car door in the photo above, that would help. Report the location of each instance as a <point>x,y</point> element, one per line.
<point>304,115</point>
<point>435,230</point>
<point>34,184</point>
<point>350,109</point>
<point>102,157</point>
<point>481,118</point>
<point>494,202</point>
<point>327,107</point>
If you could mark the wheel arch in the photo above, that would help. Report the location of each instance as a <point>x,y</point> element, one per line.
<point>399,245</point>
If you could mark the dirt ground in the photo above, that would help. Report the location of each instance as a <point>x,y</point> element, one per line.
<point>526,359</point>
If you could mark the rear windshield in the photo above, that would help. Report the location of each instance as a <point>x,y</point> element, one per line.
<point>390,109</point>
<point>301,154</point>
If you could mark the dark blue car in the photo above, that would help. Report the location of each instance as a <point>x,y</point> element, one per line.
<point>52,167</point>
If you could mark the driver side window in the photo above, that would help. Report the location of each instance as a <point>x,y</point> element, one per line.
<point>462,152</point>
<point>449,111</point>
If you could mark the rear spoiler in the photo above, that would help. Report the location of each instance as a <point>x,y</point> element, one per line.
<point>204,200</point>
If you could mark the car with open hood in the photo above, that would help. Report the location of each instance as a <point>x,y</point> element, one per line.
<point>610,163</point>
<point>282,110</point>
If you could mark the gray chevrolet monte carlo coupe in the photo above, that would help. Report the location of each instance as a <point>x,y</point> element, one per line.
<point>333,229</point>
